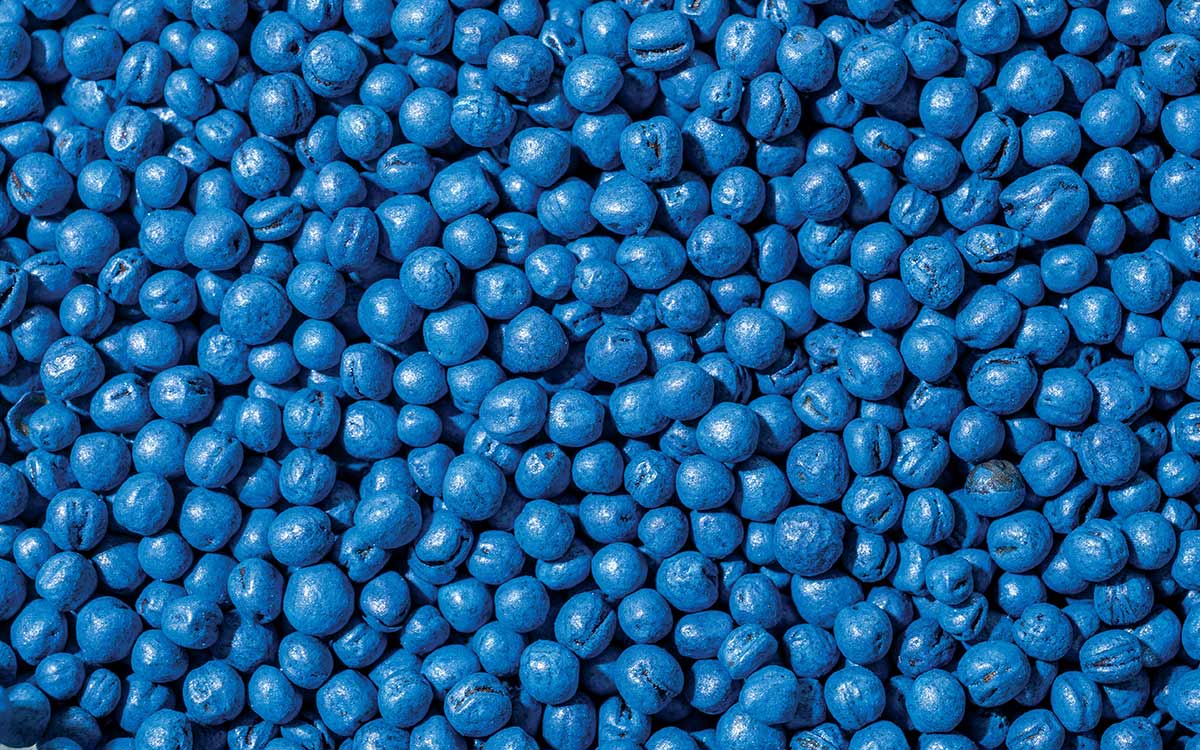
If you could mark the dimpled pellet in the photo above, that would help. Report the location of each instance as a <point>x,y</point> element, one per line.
<point>599,374</point>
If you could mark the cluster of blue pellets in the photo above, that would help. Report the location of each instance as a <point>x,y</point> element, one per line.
<point>628,375</point>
